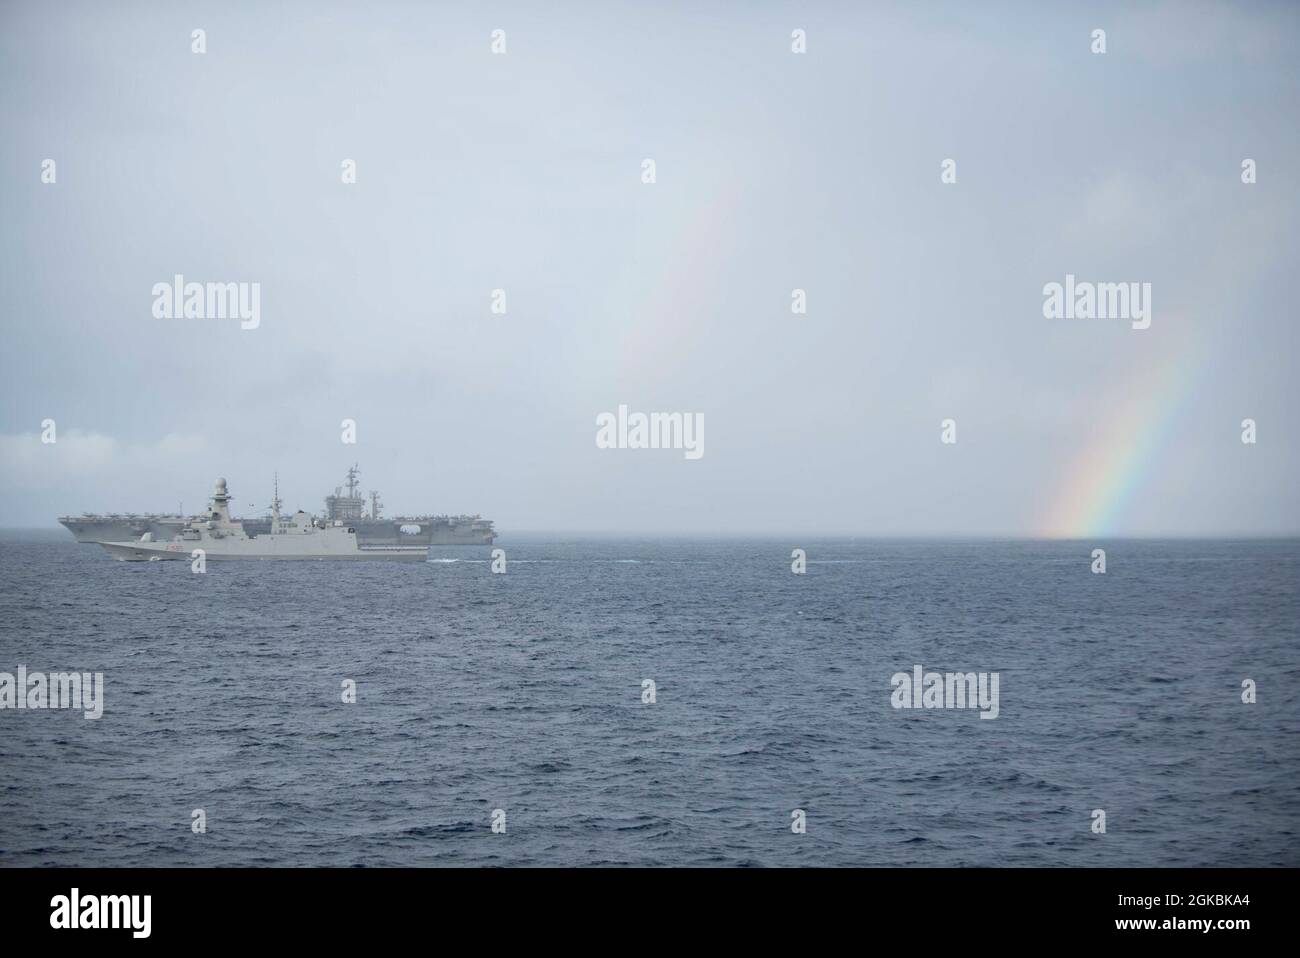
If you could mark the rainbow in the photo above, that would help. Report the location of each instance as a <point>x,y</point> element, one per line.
<point>1121,454</point>
<point>679,284</point>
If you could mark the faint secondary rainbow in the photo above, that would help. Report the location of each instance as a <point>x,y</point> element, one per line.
<point>681,284</point>
<point>1113,466</point>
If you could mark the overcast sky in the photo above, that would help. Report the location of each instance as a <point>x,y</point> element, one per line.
<point>775,171</point>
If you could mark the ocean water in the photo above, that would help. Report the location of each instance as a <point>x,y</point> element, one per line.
<point>523,692</point>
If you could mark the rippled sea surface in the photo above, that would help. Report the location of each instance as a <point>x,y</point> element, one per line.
<point>523,692</point>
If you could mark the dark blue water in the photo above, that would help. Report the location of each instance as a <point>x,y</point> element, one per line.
<point>523,692</point>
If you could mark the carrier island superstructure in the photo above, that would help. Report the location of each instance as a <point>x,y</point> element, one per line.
<point>362,514</point>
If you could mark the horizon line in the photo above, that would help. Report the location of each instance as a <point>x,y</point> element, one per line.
<point>895,536</point>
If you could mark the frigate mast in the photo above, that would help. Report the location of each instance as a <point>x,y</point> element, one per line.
<point>275,506</point>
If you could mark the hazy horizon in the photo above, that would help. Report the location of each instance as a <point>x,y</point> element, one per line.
<point>775,171</point>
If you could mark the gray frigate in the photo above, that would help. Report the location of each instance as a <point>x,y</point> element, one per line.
<point>219,537</point>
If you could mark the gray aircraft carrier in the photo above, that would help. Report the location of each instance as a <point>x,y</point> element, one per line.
<point>371,528</point>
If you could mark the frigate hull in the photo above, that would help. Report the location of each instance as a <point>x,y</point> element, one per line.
<point>182,552</point>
